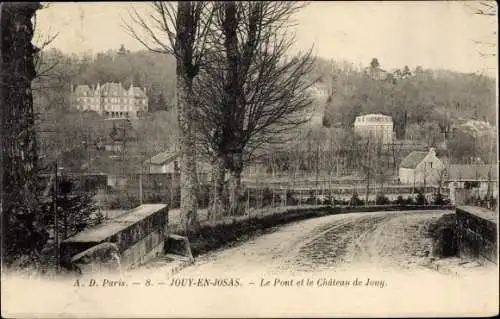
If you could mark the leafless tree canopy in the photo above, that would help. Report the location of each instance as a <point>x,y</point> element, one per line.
<point>252,92</point>
<point>182,31</point>
<point>159,29</point>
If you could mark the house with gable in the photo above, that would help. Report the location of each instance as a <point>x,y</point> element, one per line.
<point>422,169</point>
<point>163,163</point>
<point>167,162</point>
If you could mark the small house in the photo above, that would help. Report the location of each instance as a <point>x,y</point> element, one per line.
<point>163,163</point>
<point>422,169</point>
<point>168,163</point>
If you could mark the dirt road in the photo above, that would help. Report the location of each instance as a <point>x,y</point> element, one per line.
<point>262,276</point>
<point>396,240</point>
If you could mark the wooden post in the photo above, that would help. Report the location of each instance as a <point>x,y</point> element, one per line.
<point>272,203</point>
<point>140,186</point>
<point>56,219</point>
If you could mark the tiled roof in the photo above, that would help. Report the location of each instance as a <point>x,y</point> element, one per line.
<point>163,158</point>
<point>138,92</point>
<point>472,172</point>
<point>413,159</point>
<point>80,89</point>
<point>169,156</point>
<point>113,89</point>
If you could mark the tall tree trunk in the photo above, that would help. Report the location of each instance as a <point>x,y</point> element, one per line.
<point>235,207</point>
<point>216,206</point>
<point>186,71</point>
<point>187,164</point>
<point>21,234</point>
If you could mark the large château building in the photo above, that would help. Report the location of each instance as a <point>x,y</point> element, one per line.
<point>111,100</point>
<point>377,127</point>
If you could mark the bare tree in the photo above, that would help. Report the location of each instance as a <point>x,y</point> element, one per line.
<point>181,30</point>
<point>253,93</point>
<point>487,46</point>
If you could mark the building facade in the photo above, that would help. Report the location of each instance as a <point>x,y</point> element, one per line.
<point>376,127</point>
<point>167,162</point>
<point>422,169</point>
<point>111,100</point>
<point>471,180</point>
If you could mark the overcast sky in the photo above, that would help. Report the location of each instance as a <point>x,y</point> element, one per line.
<point>431,34</point>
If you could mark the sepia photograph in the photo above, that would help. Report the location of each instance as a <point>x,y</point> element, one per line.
<point>210,159</point>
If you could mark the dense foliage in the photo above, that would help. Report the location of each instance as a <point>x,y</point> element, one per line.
<point>432,97</point>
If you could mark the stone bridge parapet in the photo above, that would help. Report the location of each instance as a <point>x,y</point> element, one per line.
<point>477,232</point>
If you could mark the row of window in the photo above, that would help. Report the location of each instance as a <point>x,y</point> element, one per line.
<point>113,100</point>
<point>374,119</point>
<point>122,114</point>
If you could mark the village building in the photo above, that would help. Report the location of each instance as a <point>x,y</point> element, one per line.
<point>167,162</point>
<point>376,73</point>
<point>376,127</point>
<point>464,181</point>
<point>111,100</point>
<point>422,169</point>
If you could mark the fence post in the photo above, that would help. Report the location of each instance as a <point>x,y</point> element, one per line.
<point>300,197</point>
<point>272,201</point>
<point>248,201</point>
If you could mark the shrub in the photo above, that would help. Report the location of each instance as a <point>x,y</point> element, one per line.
<point>421,200</point>
<point>439,199</point>
<point>400,200</point>
<point>409,201</point>
<point>381,199</point>
<point>355,201</point>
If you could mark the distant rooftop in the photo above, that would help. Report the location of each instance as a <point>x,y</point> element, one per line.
<point>163,158</point>
<point>413,159</point>
<point>472,172</point>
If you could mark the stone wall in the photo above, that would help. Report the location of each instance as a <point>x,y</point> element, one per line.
<point>477,232</point>
<point>139,234</point>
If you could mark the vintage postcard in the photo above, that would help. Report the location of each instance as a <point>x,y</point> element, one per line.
<point>249,159</point>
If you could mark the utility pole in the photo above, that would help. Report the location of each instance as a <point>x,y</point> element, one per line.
<point>56,221</point>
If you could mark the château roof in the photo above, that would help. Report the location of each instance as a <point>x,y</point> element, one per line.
<point>138,92</point>
<point>113,89</point>
<point>82,90</point>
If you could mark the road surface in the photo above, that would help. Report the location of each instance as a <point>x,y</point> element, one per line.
<point>397,241</point>
<point>387,253</point>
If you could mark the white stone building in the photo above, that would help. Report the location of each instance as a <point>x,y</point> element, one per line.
<point>422,169</point>
<point>376,127</point>
<point>110,100</point>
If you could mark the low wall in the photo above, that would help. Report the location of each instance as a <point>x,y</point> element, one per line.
<point>139,234</point>
<point>477,232</point>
